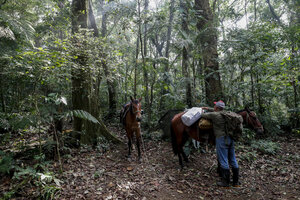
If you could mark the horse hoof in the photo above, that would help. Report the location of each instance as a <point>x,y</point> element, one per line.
<point>140,160</point>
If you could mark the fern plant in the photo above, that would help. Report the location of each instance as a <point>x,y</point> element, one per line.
<point>6,163</point>
<point>266,147</point>
<point>83,115</point>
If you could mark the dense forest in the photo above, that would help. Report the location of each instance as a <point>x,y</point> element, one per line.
<point>68,67</point>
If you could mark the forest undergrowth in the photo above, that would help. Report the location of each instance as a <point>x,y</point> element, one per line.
<point>269,170</point>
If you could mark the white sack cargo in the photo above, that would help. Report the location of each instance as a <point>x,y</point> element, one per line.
<point>191,116</point>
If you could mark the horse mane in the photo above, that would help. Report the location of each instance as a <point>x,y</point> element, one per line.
<point>240,111</point>
<point>245,109</point>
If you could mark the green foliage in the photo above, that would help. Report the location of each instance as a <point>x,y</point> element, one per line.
<point>48,185</point>
<point>6,163</point>
<point>266,147</point>
<point>249,156</point>
<point>83,115</point>
<point>49,192</point>
<point>4,124</point>
<point>247,136</point>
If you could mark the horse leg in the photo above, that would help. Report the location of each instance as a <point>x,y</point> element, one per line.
<point>180,160</point>
<point>138,147</point>
<point>181,153</point>
<point>138,142</point>
<point>129,136</point>
<point>129,147</point>
<point>184,139</point>
<point>176,134</point>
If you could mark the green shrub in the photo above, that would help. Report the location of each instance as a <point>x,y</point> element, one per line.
<point>247,136</point>
<point>266,147</point>
<point>6,162</point>
<point>249,156</point>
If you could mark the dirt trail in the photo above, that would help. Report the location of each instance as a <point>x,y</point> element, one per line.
<point>89,174</point>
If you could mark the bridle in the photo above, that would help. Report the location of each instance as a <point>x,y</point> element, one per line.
<point>131,109</point>
<point>137,111</point>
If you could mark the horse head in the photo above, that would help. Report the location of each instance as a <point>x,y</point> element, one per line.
<point>136,108</point>
<point>251,121</point>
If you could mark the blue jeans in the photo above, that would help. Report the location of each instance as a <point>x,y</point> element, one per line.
<point>225,152</point>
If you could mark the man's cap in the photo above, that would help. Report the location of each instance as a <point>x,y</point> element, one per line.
<point>220,104</point>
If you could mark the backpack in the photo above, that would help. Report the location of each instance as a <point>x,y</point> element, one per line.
<point>233,124</point>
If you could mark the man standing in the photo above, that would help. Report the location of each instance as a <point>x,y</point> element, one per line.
<point>224,145</point>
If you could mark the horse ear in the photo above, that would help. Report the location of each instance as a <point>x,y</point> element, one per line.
<point>140,99</point>
<point>131,98</point>
<point>247,109</point>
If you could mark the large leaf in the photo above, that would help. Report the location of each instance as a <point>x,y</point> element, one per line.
<point>83,115</point>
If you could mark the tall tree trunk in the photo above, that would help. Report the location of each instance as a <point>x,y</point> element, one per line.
<point>185,62</point>
<point>79,95</point>
<point>83,95</point>
<point>208,42</point>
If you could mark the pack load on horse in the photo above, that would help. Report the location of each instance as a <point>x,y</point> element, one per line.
<point>181,132</point>
<point>205,124</point>
<point>191,116</point>
<point>130,117</point>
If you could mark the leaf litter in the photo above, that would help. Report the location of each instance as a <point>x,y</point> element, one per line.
<point>90,174</point>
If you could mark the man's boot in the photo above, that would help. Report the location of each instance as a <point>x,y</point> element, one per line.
<point>225,179</point>
<point>235,177</point>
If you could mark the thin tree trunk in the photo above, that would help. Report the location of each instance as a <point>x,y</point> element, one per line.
<point>273,12</point>
<point>255,10</point>
<point>252,85</point>
<point>145,71</point>
<point>295,21</point>
<point>92,22</point>
<point>136,66</point>
<point>259,96</point>
<point>111,82</point>
<point>166,70</point>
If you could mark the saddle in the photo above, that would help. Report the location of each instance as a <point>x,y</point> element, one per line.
<point>123,113</point>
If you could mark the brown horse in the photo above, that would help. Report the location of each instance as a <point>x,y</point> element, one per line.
<point>130,117</point>
<point>180,132</point>
<point>251,121</point>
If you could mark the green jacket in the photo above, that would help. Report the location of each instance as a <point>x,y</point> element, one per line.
<point>217,121</point>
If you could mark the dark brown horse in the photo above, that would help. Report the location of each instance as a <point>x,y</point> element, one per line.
<point>130,117</point>
<point>251,121</point>
<point>180,132</point>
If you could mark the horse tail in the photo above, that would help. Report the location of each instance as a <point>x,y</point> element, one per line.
<point>174,141</point>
